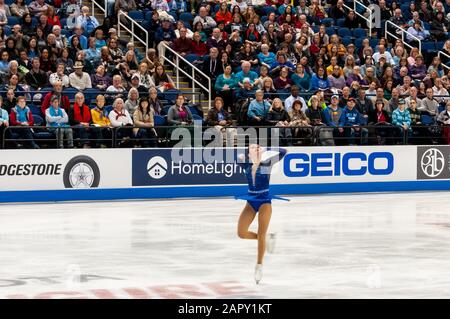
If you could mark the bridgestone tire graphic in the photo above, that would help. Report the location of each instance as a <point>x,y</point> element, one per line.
<point>81,172</point>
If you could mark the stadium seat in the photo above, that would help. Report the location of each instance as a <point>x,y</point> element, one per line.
<point>427,120</point>
<point>346,40</point>
<point>330,31</point>
<point>340,22</point>
<point>263,19</point>
<point>428,46</point>
<point>373,42</point>
<point>35,110</point>
<point>173,14</point>
<point>70,92</point>
<point>344,32</point>
<point>136,15</point>
<point>160,120</point>
<point>148,15</point>
<point>426,25</point>
<point>38,120</point>
<point>193,109</point>
<point>269,9</point>
<point>165,109</point>
<point>358,42</point>
<point>108,108</point>
<point>439,45</point>
<point>359,33</point>
<point>327,22</point>
<point>186,17</point>
<point>13,21</point>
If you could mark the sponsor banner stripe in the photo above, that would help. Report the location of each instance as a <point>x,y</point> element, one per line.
<point>215,191</point>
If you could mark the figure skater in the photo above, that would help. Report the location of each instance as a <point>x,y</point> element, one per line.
<point>258,199</point>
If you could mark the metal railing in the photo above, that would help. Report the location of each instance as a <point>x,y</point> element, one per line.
<point>103,9</point>
<point>121,25</point>
<point>369,20</point>
<point>447,56</point>
<point>390,24</point>
<point>321,135</point>
<point>194,72</point>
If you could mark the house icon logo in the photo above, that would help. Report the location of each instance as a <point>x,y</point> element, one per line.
<point>157,167</point>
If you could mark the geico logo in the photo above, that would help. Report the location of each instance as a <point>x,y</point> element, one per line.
<point>30,169</point>
<point>337,164</point>
<point>227,169</point>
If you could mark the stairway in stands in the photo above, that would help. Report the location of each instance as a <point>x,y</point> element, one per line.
<point>184,84</point>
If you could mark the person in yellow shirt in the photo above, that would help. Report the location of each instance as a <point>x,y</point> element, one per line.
<point>100,120</point>
<point>330,68</point>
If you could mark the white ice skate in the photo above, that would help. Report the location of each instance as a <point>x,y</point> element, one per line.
<point>270,242</point>
<point>258,273</point>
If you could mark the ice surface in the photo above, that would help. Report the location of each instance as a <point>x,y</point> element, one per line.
<point>328,246</point>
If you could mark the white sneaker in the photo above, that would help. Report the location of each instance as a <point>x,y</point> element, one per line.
<point>270,242</point>
<point>258,273</point>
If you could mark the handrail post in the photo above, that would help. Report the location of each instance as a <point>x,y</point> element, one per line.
<point>193,85</point>
<point>178,71</point>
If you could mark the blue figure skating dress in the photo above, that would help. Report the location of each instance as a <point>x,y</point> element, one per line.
<point>258,190</point>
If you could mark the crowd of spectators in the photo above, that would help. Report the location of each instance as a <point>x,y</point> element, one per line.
<point>309,69</point>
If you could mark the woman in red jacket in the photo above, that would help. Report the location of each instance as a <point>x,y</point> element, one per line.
<point>52,18</point>
<point>223,15</point>
<point>21,116</point>
<point>80,119</point>
<point>199,49</point>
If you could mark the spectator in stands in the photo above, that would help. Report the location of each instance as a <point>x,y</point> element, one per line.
<point>225,85</point>
<point>334,117</point>
<point>364,105</point>
<point>179,114</point>
<point>4,121</point>
<point>207,22</point>
<point>21,116</point>
<point>283,81</point>
<point>78,79</point>
<point>216,40</point>
<point>80,118</point>
<point>63,100</point>
<point>59,75</point>
<point>182,45</point>
<point>100,80</point>
<point>120,118</point>
<point>88,22</point>
<point>444,119</point>
<point>278,117</point>
<point>38,8</point>
<point>429,105</point>
<point>115,90</point>
<point>413,96</point>
<point>221,120</point>
<point>58,120</point>
<point>419,70</point>
<point>439,27</point>
<point>165,35</point>
<point>91,53</point>
<point>212,66</point>
<point>299,122</point>
<point>36,78</point>
<point>100,120</point>
<point>143,119</point>
<point>19,8</point>
<point>336,78</point>
<point>401,118</point>
<point>162,80</point>
<point>380,117</point>
<point>132,102</point>
<point>258,109</point>
<point>337,11</point>
<point>319,80</point>
<point>295,96</point>
<point>354,120</point>
<point>154,102</point>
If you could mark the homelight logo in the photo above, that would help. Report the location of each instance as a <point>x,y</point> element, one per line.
<point>157,167</point>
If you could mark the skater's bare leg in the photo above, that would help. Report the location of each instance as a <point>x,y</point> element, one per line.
<point>247,216</point>
<point>264,215</point>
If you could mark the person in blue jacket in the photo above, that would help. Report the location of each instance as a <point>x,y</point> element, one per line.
<point>257,165</point>
<point>334,117</point>
<point>353,120</point>
<point>258,109</point>
<point>319,80</point>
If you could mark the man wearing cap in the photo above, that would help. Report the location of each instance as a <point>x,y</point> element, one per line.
<point>401,118</point>
<point>78,79</point>
<point>135,83</point>
<point>58,120</point>
<point>334,117</point>
<point>354,119</point>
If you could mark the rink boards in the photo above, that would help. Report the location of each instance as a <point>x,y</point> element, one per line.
<point>107,174</point>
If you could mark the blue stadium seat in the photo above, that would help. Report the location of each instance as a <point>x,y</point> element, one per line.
<point>315,28</point>
<point>160,120</point>
<point>174,15</point>
<point>359,33</point>
<point>186,17</point>
<point>426,25</point>
<point>63,22</point>
<point>263,19</point>
<point>165,109</point>
<point>136,15</point>
<point>344,32</point>
<point>35,110</point>
<point>358,42</point>
<point>441,108</point>
<point>428,46</point>
<point>148,15</point>
<point>70,92</point>
<point>330,31</point>
<point>193,109</point>
<point>269,9</point>
<point>327,22</point>
<point>373,42</point>
<point>340,22</point>
<point>38,120</point>
<point>346,40</point>
<point>13,21</point>
<point>439,45</point>
<point>108,108</point>
<point>427,120</point>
